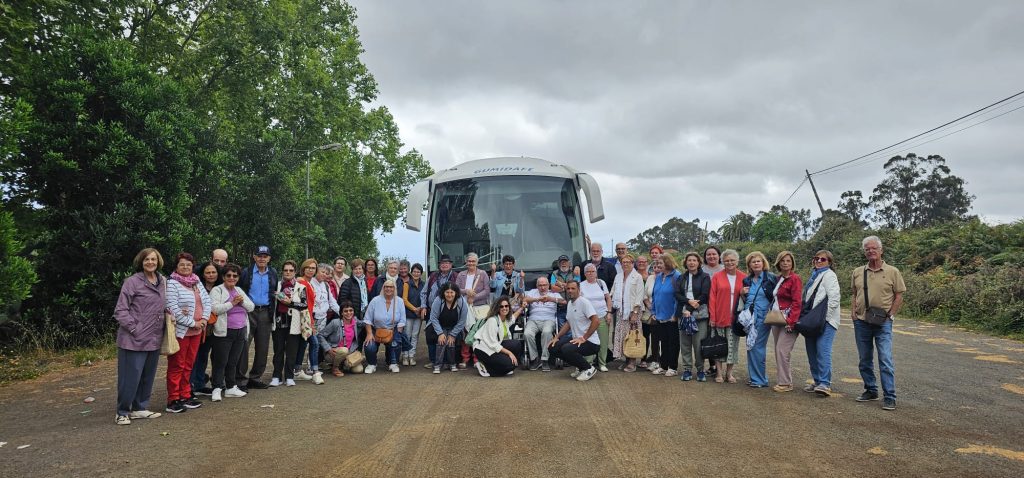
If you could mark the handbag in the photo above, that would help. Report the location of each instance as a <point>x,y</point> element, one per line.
<point>737,327</point>
<point>872,315</point>
<point>634,345</point>
<point>354,358</point>
<point>714,346</point>
<point>169,345</point>
<point>776,316</point>
<point>385,335</point>
<point>471,333</point>
<point>812,320</point>
<point>305,324</point>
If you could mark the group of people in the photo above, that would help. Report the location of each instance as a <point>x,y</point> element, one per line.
<point>219,312</point>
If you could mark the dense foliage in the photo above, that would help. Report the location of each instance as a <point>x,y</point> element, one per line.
<point>186,126</point>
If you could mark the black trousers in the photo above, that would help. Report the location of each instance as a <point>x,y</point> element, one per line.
<point>500,364</point>
<point>284,356</point>
<point>226,353</point>
<point>653,347</point>
<point>572,354</point>
<point>667,333</point>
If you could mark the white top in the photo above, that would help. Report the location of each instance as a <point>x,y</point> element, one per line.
<point>490,335</point>
<point>541,311</point>
<point>732,287</point>
<point>595,293</point>
<point>470,279</point>
<point>578,314</point>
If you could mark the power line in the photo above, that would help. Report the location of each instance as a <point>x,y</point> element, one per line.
<point>1008,98</point>
<point>986,120</point>
<point>795,191</point>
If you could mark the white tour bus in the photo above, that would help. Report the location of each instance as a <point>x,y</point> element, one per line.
<point>525,207</point>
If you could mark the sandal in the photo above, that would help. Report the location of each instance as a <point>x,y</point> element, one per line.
<point>732,379</point>
<point>337,373</point>
<point>629,368</point>
<point>719,379</point>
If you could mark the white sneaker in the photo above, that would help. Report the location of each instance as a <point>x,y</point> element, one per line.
<point>234,392</point>
<point>393,368</point>
<point>412,361</point>
<point>302,375</point>
<point>275,382</point>
<point>604,368</point>
<point>437,369</point>
<point>289,382</point>
<point>455,368</point>
<point>671,372</point>
<point>587,374</point>
<point>657,370</point>
<point>318,378</point>
<point>143,414</point>
<point>576,373</point>
<point>122,420</point>
<point>482,370</point>
<point>217,394</point>
<point>370,369</point>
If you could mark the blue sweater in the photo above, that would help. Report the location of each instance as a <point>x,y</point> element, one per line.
<point>664,296</point>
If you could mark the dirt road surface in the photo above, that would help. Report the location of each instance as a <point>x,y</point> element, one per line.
<point>960,413</point>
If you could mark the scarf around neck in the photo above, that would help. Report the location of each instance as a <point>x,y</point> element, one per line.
<point>188,281</point>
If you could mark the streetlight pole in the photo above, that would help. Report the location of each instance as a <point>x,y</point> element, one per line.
<point>309,154</point>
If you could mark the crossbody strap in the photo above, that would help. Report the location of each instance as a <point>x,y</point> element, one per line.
<point>866,304</point>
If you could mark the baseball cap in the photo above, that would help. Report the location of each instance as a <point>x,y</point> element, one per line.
<point>563,257</point>
<point>262,250</point>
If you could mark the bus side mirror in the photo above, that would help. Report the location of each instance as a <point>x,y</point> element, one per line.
<point>594,205</point>
<point>418,196</point>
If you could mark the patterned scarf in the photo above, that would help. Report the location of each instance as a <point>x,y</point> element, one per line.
<point>188,281</point>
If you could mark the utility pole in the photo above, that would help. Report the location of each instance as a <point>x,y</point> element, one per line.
<point>820,207</point>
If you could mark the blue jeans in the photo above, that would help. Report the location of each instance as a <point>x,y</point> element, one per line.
<point>390,350</point>
<point>412,329</point>
<point>870,337</point>
<point>314,353</point>
<point>819,356</point>
<point>756,356</point>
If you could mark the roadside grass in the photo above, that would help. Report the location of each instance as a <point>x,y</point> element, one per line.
<point>18,364</point>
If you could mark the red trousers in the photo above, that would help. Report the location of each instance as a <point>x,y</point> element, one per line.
<point>179,369</point>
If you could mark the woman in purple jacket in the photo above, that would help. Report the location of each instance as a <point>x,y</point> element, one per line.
<point>140,316</point>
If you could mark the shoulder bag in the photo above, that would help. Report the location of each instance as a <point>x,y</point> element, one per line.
<point>471,334</point>
<point>776,316</point>
<point>634,345</point>
<point>872,315</point>
<point>812,320</point>
<point>169,344</point>
<point>384,335</point>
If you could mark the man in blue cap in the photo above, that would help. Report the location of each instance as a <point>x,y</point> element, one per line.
<point>259,281</point>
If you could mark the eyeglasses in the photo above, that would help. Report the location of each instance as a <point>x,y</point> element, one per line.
<point>289,270</point>
<point>309,268</point>
<point>504,306</point>
<point>230,276</point>
<point>620,248</point>
<point>820,259</point>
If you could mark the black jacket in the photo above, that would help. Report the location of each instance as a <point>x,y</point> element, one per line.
<point>605,270</point>
<point>245,281</point>
<point>350,291</point>
<point>701,291</point>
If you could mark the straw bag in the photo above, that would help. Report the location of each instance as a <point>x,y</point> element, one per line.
<point>169,345</point>
<point>634,345</point>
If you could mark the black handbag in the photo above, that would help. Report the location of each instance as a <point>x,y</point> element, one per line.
<point>812,320</point>
<point>714,346</point>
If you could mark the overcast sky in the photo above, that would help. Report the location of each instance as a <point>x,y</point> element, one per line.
<point>702,109</point>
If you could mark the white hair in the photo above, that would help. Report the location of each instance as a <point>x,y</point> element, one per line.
<point>730,252</point>
<point>590,267</point>
<point>870,239</point>
<point>472,255</point>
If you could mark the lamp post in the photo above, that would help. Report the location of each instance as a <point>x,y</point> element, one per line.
<point>309,153</point>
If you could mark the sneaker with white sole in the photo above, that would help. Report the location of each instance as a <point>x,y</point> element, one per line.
<point>671,372</point>
<point>234,392</point>
<point>217,394</point>
<point>318,378</point>
<point>657,370</point>
<point>122,420</point>
<point>302,375</point>
<point>412,361</point>
<point>370,369</point>
<point>482,370</point>
<point>576,373</point>
<point>275,382</point>
<point>175,407</point>
<point>603,368</point>
<point>143,414</point>
<point>393,368</point>
<point>437,369</point>
<point>455,368</point>
<point>289,382</point>
<point>587,374</point>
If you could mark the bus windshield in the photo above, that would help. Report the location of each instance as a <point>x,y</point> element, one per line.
<point>534,219</point>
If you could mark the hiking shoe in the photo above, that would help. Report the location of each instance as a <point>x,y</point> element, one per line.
<point>687,376</point>
<point>437,369</point>
<point>217,395</point>
<point>235,392</point>
<point>889,404</point>
<point>823,391</point>
<point>587,374</point>
<point>191,403</point>
<point>122,420</point>
<point>175,407</point>
<point>275,382</point>
<point>867,396</point>
<point>143,414</point>
<point>205,391</point>
<point>701,377</point>
<point>809,388</point>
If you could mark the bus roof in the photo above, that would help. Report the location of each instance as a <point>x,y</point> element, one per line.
<point>505,166</point>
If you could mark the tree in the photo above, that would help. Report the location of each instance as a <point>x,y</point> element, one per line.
<point>853,206</point>
<point>675,234</point>
<point>773,227</point>
<point>738,228</point>
<point>919,192</point>
<point>16,273</point>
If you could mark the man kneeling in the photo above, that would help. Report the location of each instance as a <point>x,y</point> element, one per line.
<point>581,319</point>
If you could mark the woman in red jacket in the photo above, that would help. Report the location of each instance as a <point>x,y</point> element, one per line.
<point>787,300</point>
<point>726,288</point>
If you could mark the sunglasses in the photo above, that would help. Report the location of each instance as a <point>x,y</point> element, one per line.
<point>289,270</point>
<point>820,259</point>
<point>230,276</point>
<point>504,306</point>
